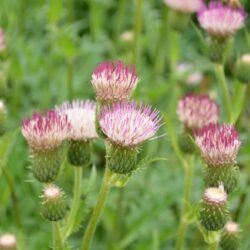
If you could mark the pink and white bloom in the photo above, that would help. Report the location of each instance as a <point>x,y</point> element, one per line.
<point>197,111</point>
<point>127,124</point>
<point>184,6</point>
<point>114,81</point>
<point>219,144</point>
<point>192,77</point>
<point>45,132</point>
<point>2,40</point>
<point>81,116</point>
<point>221,20</point>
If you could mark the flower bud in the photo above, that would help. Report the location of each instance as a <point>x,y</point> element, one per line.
<point>81,116</point>
<point>126,126</point>
<point>79,153</point>
<point>46,165</point>
<point>45,136</point>
<point>228,175</point>
<point>217,50</point>
<point>243,69</point>
<point>230,237</point>
<point>213,211</point>
<point>186,144</point>
<point>8,242</point>
<point>121,160</point>
<point>53,205</point>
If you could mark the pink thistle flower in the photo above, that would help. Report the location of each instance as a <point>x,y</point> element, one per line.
<point>219,144</point>
<point>220,20</point>
<point>127,124</point>
<point>197,111</point>
<point>114,81</point>
<point>184,6</point>
<point>45,133</point>
<point>2,40</point>
<point>81,116</point>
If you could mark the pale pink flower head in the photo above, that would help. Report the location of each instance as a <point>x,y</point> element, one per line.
<point>219,144</point>
<point>45,132</point>
<point>127,124</point>
<point>81,116</point>
<point>197,111</point>
<point>192,77</point>
<point>220,20</point>
<point>114,81</point>
<point>2,40</point>
<point>184,6</point>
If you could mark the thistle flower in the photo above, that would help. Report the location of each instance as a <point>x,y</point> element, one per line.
<point>221,21</point>
<point>45,135</point>
<point>230,237</point>
<point>213,209</point>
<point>53,206</point>
<point>81,116</point>
<point>219,144</point>
<point>127,126</point>
<point>114,81</point>
<point>196,111</point>
<point>184,6</point>
<point>8,242</point>
<point>2,40</point>
<point>191,77</point>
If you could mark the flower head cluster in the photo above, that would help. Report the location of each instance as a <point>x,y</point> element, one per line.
<point>2,40</point>
<point>81,116</point>
<point>219,144</point>
<point>196,111</point>
<point>114,81</point>
<point>45,132</point>
<point>184,6</point>
<point>220,20</point>
<point>127,124</point>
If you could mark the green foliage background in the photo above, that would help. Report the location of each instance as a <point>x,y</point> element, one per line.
<point>52,49</point>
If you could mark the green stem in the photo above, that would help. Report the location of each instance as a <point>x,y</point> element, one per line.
<point>119,19</point>
<point>160,50</point>
<point>75,203</point>
<point>70,88</point>
<point>137,29</point>
<point>213,246</point>
<point>57,237</point>
<point>187,191</point>
<point>219,70</point>
<point>13,196</point>
<point>174,44</point>
<point>89,233</point>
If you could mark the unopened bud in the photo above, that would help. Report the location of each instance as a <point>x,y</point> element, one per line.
<point>213,211</point>
<point>79,153</point>
<point>230,237</point>
<point>8,242</point>
<point>122,160</point>
<point>227,175</point>
<point>53,206</point>
<point>243,69</point>
<point>186,144</point>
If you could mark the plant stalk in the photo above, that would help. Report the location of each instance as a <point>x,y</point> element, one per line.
<point>89,233</point>
<point>69,227</point>
<point>187,193</point>
<point>57,237</point>
<point>220,74</point>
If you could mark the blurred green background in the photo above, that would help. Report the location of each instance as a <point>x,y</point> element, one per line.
<point>52,47</point>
